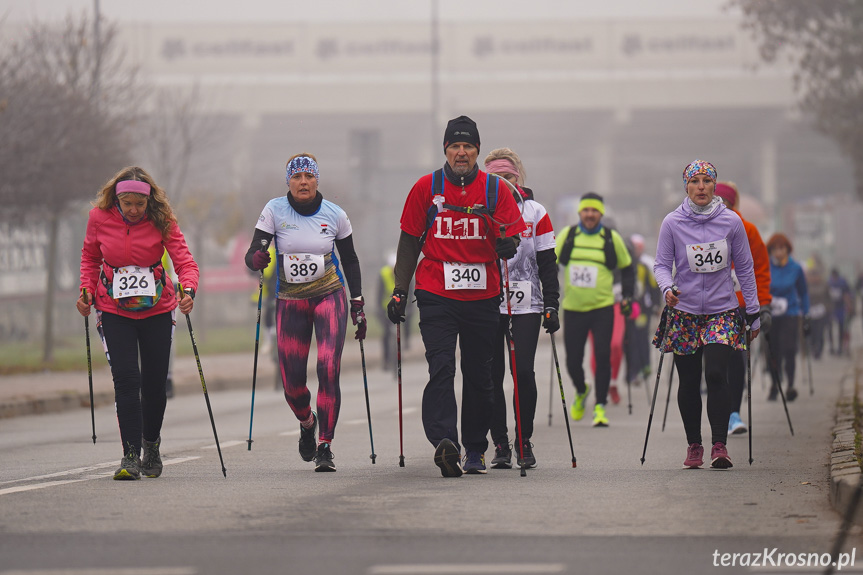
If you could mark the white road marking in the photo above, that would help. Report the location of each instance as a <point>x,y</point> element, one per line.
<point>34,486</point>
<point>225,444</point>
<point>445,568</point>
<point>287,433</point>
<point>105,571</point>
<point>354,422</point>
<point>62,473</point>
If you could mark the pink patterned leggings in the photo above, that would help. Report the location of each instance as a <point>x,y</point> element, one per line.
<point>295,320</point>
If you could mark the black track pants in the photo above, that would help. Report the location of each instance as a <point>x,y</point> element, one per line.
<point>473,325</point>
<point>715,357</point>
<point>576,325</point>
<point>139,394</point>
<point>782,340</point>
<point>525,334</point>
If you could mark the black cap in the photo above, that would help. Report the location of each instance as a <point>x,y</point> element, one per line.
<point>461,129</point>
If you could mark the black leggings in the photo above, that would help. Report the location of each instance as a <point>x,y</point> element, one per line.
<point>139,394</point>
<point>525,334</point>
<point>715,357</point>
<point>736,378</point>
<point>576,325</point>
<point>782,341</point>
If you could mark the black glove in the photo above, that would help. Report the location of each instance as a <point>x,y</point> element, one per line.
<point>397,306</point>
<point>358,316</point>
<point>550,320</point>
<point>807,327</point>
<point>260,259</point>
<point>626,307</point>
<point>505,248</point>
<point>766,319</point>
<point>751,317</point>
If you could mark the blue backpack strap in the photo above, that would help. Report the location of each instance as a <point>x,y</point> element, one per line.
<point>491,185</point>
<point>437,190</point>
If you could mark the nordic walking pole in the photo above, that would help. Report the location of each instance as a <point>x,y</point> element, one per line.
<point>512,365</point>
<point>368,409</point>
<point>668,397</point>
<point>399,370</point>
<point>658,372</point>
<point>749,385</point>
<point>808,362</point>
<point>89,365</point>
<point>203,383</point>
<point>264,246</point>
<point>550,390</point>
<point>626,337</point>
<point>562,397</point>
<point>774,376</point>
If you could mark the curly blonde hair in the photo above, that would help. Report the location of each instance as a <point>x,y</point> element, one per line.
<point>158,208</point>
<point>508,154</point>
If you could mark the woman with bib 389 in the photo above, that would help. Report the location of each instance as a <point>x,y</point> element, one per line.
<point>128,231</point>
<point>311,296</point>
<point>701,323</point>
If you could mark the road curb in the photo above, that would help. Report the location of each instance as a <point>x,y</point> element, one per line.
<point>845,471</point>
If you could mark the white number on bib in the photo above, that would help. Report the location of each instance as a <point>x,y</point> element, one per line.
<point>707,257</point>
<point>519,295</point>
<point>303,268</point>
<point>459,275</point>
<point>583,276</point>
<point>133,281</point>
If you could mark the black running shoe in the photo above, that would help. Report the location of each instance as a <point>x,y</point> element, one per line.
<point>324,458</point>
<point>447,457</point>
<point>791,394</point>
<point>151,463</point>
<point>307,440</point>
<point>527,453</point>
<point>502,456</point>
<point>130,468</point>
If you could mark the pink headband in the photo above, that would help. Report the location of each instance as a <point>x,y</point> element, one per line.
<point>133,186</point>
<point>501,166</point>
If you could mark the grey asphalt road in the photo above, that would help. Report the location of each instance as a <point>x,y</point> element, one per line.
<point>60,513</point>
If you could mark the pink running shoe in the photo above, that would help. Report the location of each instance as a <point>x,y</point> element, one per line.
<point>719,456</point>
<point>694,456</point>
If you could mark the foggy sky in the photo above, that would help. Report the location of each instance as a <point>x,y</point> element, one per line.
<point>363,10</point>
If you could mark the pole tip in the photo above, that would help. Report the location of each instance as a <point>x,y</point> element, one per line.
<point>401,460</point>
<point>249,441</point>
<point>373,457</point>
<point>642,461</point>
<point>573,462</point>
<point>94,440</point>
<point>523,472</point>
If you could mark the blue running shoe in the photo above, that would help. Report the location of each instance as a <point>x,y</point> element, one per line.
<point>474,462</point>
<point>736,425</point>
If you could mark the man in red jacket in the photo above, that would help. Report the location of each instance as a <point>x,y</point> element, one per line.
<point>727,191</point>
<point>458,290</point>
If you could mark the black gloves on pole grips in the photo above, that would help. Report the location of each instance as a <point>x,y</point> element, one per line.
<point>505,248</point>
<point>358,317</point>
<point>397,306</point>
<point>550,320</point>
<point>261,259</point>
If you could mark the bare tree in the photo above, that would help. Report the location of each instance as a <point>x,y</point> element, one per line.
<point>59,137</point>
<point>825,39</point>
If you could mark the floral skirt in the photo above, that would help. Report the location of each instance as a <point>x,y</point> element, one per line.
<point>687,332</point>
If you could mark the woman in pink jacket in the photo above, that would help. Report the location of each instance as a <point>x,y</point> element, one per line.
<point>701,324</point>
<point>128,231</point>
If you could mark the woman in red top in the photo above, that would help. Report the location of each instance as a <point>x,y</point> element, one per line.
<point>128,231</point>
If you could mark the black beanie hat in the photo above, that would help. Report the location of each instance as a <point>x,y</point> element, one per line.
<point>461,129</point>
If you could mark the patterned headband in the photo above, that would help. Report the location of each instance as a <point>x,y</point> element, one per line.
<point>698,167</point>
<point>302,164</point>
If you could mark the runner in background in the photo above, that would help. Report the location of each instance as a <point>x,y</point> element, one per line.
<point>645,302</point>
<point>843,311</point>
<point>589,253</point>
<point>820,306</point>
<point>730,196</point>
<point>534,300</point>
<point>790,304</point>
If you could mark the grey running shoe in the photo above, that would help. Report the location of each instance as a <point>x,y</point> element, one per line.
<point>308,442</point>
<point>130,468</point>
<point>151,463</point>
<point>447,457</point>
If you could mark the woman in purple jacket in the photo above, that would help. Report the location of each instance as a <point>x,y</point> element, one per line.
<point>701,323</point>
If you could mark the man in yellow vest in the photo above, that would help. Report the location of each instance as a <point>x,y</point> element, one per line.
<point>589,253</point>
